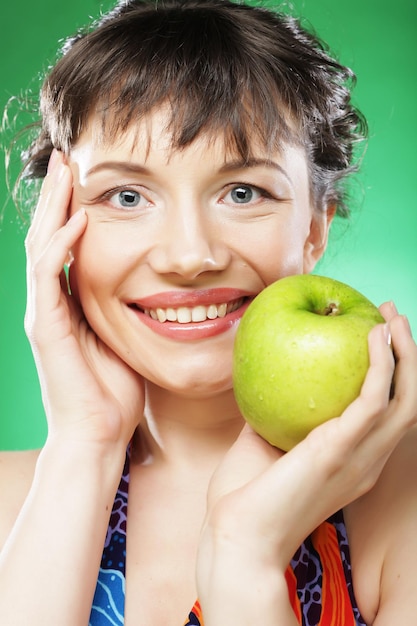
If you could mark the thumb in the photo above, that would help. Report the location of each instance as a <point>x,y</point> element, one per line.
<point>248,457</point>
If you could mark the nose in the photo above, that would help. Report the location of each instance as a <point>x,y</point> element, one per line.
<point>189,244</point>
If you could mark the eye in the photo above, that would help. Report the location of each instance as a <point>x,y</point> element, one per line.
<point>244,194</point>
<point>126,199</point>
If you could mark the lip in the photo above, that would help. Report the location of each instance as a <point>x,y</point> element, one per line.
<point>205,297</point>
<point>192,331</point>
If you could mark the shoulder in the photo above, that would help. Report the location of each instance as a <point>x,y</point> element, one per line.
<point>16,475</point>
<point>383,539</point>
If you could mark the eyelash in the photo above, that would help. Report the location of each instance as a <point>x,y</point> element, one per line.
<point>263,194</point>
<point>108,195</point>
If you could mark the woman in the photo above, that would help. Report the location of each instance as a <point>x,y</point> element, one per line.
<point>196,153</point>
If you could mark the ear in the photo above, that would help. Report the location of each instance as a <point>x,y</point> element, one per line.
<point>316,241</point>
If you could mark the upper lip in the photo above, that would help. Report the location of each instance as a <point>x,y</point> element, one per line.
<point>176,299</point>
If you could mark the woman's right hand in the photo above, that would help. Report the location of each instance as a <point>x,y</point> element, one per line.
<point>89,393</point>
<point>93,402</point>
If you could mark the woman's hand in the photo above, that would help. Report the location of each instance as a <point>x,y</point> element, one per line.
<point>93,402</point>
<point>89,393</point>
<point>262,503</point>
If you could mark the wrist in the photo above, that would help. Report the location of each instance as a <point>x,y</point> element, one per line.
<point>238,583</point>
<point>83,464</point>
<point>239,590</point>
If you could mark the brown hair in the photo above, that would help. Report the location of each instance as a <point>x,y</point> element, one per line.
<point>222,66</point>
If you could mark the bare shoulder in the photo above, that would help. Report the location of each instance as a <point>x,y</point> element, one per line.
<point>16,475</point>
<point>383,539</point>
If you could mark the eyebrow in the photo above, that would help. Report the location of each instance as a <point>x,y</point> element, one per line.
<point>253,162</point>
<point>119,166</point>
<point>136,168</point>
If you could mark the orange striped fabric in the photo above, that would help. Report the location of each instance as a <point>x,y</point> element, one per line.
<point>318,581</point>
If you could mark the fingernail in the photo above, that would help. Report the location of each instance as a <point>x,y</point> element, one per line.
<point>53,160</point>
<point>387,334</point>
<point>393,308</point>
<point>407,324</point>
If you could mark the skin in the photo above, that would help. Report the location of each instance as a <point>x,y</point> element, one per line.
<point>107,375</point>
<point>171,243</point>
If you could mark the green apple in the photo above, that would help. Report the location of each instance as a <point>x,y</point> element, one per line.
<point>301,355</point>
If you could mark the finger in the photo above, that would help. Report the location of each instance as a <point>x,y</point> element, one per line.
<point>360,416</point>
<point>45,275</point>
<point>389,425</point>
<point>388,310</point>
<point>248,457</point>
<point>335,441</point>
<point>403,406</point>
<point>52,260</point>
<point>56,160</point>
<point>381,365</point>
<point>376,422</point>
<point>52,209</point>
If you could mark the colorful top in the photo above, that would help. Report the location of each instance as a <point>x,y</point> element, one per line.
<point>319,576</point>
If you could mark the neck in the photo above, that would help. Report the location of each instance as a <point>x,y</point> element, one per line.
<point>181,430</point>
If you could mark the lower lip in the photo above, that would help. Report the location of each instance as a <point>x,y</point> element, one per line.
<point>193,331</point>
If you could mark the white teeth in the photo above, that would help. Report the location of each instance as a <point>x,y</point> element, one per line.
<point>161,315</point>
<point>222,310</point>
<point>171,315</point>
<point>200,313</point>
<point>212,312</point>
<point>184,315</point>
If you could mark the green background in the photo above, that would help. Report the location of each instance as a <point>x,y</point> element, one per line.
<point>376,252</point>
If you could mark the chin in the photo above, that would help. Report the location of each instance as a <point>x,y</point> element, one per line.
<point>195,383</point>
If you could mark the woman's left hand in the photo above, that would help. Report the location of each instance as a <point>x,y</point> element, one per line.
<point>265,502</point>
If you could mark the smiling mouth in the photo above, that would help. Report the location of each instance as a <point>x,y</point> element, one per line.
<point>187,315</point>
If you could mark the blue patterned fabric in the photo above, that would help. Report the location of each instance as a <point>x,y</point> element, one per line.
<point>109,598</point>
<point>319,576</point>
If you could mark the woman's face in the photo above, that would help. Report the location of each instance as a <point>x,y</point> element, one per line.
<point>179,242</point>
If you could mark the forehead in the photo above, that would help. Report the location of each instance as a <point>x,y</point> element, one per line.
<point>153,134</point>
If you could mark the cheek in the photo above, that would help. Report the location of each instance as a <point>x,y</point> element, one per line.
<point>103,257</point>
<point>94,278</point>
<point>278,253</point>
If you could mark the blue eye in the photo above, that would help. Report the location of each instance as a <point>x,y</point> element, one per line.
<point>244,194</point>
<point>126,199</point>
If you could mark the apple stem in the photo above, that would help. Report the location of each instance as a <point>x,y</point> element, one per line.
<point>331,309</point>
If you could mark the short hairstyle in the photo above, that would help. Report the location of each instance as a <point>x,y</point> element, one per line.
<point>222,66</point>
